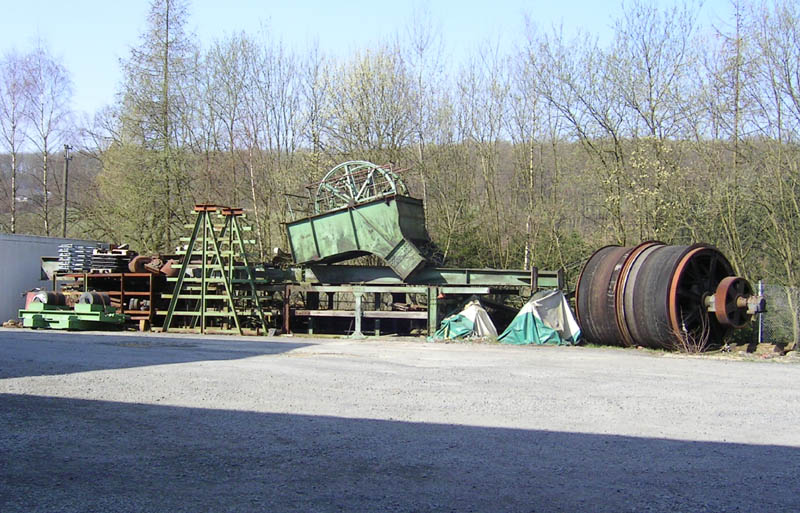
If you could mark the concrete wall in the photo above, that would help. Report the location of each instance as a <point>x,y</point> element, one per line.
<point>20,268</point>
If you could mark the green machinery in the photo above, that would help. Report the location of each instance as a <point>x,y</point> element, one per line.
<point>390,228</point>
<point>361,209</point>
<point>358,209</point>
<point>92,312</point>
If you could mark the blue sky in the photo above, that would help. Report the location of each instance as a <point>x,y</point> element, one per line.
<point>90,36</point>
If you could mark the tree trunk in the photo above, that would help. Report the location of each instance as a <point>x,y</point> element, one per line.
<point>13,192</point>
<point>45,192</point>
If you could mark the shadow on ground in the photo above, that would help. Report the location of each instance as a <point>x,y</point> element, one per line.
<point>40,353</point>
<point>76,455</point>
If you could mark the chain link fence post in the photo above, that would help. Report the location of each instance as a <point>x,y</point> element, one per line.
<point>780,324</point>
<point>761,314</point>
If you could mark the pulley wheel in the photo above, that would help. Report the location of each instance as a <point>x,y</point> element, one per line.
<point>354,182</point>
<point>649,315</point>
<point>697,275</point>
<point>624,301</point>
<point>729,310</point>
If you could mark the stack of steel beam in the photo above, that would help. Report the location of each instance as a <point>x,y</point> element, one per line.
<point>75,257</point>
<point>111,260</point>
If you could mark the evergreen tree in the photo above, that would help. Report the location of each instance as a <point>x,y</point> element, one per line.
<point>145,172</point>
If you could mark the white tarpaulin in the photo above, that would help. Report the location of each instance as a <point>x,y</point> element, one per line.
<point>482,325</point>
<point>472,321</point>
<point>545,319</point>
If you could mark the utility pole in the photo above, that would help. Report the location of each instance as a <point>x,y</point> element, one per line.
<point>67,158</point>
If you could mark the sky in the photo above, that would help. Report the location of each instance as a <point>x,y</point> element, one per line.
<point>91,36</point>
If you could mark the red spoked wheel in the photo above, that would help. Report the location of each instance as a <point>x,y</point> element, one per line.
<point>730,301</point>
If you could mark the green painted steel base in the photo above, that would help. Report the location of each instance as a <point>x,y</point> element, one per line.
<point>82,317</point>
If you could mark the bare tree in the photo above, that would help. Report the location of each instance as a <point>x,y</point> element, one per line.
<point>371,111</point>
<point>423,47</point>
<point>536,132</point>
<point>206,136</point>
<point>483,102</point>
<point>48,110</point>
<point>273,118</point>
<point>452,209</point>
<point>652,61</point>
<point>777,33</point>
<point>14,99</point>
<point>721,140</point>
<point>777,36</point>
<point>315,95</point>
<point>574,80</point>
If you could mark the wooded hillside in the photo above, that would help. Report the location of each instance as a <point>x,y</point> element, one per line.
<point>671,131</point>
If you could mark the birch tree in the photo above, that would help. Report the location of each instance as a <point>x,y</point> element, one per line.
<point>14,99</point>
<point>49,91</point>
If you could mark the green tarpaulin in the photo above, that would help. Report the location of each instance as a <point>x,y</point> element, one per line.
<point>545,319</point>
<point>472,321</point>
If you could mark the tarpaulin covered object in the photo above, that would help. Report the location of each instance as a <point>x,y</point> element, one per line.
<point>472,321</point>
<point>545,319</point>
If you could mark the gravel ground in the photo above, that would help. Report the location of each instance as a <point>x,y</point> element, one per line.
<point>132,422</point>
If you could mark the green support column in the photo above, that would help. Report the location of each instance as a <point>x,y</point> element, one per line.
<point>433,310</point>
<point>357,330</point>
<point>377,305</point>
<point>236,247</point>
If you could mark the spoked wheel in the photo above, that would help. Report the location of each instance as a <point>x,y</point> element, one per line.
<point>354,182</point>
<point>696,277</point>
<point>730,301</point>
